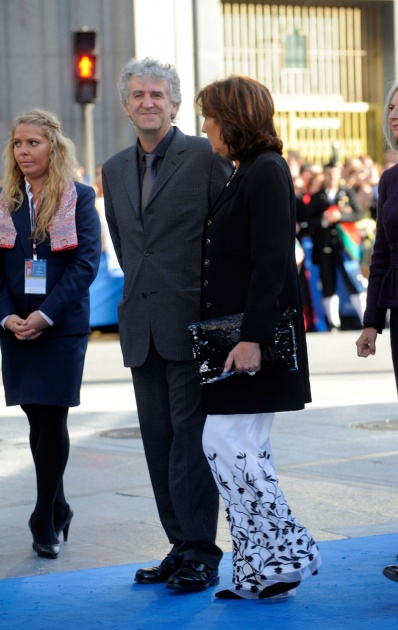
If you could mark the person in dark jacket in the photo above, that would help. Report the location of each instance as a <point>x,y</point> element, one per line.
<point>383,271</point>
<point>329,208</point>
<point>50,248</point>
<point>249,267</point>
<point>157,239</point>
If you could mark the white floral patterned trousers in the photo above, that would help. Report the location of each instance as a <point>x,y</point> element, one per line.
<point>268,543</point>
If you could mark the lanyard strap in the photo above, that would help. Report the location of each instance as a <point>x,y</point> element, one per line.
<point>34,214</point>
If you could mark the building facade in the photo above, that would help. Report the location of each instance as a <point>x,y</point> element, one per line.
<point>328,64</point>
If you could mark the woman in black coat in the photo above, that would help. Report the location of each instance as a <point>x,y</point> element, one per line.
<point>50,248</point>
<point>249,266</point>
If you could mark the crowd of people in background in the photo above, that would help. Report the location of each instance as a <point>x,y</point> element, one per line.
<point>330,197</point>
<point>319,246</point>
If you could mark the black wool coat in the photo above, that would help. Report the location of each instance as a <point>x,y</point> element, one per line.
<point>249,266</point>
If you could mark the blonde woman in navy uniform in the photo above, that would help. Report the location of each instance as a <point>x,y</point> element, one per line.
<point>50,248</point>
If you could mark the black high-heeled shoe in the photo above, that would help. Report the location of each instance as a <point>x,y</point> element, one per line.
<point>64,527</point>
<point>277,589</point>
<point>44,551</point>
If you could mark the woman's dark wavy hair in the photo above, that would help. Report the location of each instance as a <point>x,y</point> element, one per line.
<point>244,110</point>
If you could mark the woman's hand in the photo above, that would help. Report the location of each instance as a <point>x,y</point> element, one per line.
<point>246,357</point>
<point>20,327</point>
<point>37,321</point>
<point>366,344</point>
<point>27,329</point>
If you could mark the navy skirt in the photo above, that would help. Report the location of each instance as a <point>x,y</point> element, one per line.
<point>43,371</point>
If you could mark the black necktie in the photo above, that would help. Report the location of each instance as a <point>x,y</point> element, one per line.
<point>149,178</point>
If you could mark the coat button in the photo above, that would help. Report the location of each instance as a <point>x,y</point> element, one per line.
<point>207,241</point>
<point>208,304</point>
<point>144,295</point>
<point>146,253</point>
<point>209,222</point>
<point>205,283</point>
<point>206,262</point>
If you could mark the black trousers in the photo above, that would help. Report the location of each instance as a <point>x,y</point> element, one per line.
<point>328,265</point>
<point>168,400</point>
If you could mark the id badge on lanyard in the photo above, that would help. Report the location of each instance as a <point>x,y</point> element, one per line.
<point>35,276</point>
<point>35,269</point>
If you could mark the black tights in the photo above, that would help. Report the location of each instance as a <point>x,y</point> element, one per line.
<point>49,443</point>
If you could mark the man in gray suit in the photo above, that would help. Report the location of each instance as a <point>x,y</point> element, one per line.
<point>157,197</point>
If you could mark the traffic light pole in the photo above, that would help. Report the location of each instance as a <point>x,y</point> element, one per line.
<point>88,110</point>
<point>85,53</point>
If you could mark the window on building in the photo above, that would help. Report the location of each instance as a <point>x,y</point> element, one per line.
<point>295,50</point>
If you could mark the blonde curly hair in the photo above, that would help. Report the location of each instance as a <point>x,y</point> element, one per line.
<point>63,166</point>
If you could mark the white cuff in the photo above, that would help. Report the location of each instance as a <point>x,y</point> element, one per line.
<point>48,320</point>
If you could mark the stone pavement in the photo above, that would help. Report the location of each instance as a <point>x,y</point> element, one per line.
<point>337,461</point>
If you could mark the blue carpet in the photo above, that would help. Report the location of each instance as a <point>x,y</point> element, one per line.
<point>349,593</point>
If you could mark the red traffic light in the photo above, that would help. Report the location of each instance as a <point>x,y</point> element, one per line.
<point>85,66</point>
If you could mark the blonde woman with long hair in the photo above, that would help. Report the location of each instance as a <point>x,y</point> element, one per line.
<point>50,248</point>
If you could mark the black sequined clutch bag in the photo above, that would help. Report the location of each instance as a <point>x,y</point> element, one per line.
<point>213,339</point>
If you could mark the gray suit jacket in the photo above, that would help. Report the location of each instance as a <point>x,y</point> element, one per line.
<point>160,253</point>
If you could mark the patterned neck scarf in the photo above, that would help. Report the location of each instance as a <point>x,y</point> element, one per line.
<point>62,228</point>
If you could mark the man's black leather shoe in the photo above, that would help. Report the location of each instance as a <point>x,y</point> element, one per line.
<point>391,572</point>
<point>161,573</point>
<point>193,576</point>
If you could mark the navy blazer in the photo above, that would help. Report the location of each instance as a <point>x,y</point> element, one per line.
<point>69,273</point>
<point>383,272</point>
